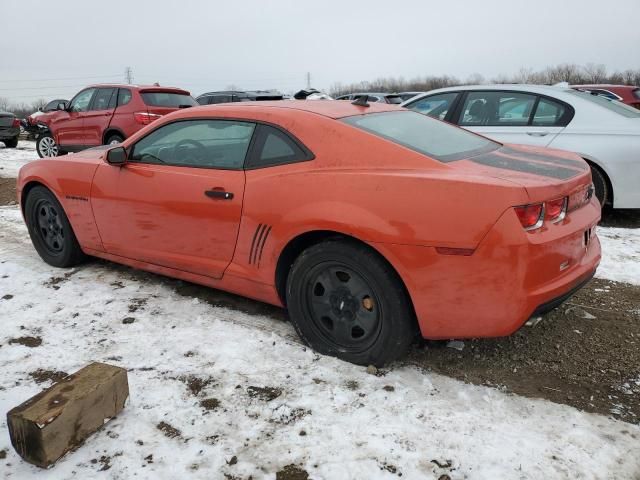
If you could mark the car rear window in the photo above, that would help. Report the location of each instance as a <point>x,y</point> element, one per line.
<point>612,105</point>
<point>423,134</point>
<point>168,99</point>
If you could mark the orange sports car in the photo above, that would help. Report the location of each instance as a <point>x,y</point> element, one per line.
<point>369,223</point>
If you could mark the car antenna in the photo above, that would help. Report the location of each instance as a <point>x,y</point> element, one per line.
<point>361,101</point>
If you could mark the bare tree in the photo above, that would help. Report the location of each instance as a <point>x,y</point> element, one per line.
<point>4,104</point>
<point>595,73</point>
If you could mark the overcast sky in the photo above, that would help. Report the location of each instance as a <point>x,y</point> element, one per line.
<point>53,48</point>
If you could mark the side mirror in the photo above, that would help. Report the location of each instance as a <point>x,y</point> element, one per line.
<point>61,106</point>
<point>117,156</point>
<point>40,109</point>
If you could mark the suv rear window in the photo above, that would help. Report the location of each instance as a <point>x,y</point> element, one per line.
<point>423,134</point>
<point>168,99</point>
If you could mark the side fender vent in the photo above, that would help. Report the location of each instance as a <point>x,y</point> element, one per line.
<point>257,244</point>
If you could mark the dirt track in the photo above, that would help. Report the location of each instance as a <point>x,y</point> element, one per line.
<point>585,354</point>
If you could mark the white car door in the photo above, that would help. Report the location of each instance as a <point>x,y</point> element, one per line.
<point>513,117</point>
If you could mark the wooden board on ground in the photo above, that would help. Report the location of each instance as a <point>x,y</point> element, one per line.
<point>60,418</point>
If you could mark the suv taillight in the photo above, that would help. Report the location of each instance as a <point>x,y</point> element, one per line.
<point>533,216</point>
<point>145,118</point>
<point>16,122</point>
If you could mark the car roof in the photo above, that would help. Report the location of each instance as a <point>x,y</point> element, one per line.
<point>327,108</point>
<point>137,87</point>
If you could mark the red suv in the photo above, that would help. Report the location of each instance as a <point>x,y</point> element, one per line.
<point>106,114</point>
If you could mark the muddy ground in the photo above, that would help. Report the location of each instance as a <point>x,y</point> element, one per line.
<point>585,354</point>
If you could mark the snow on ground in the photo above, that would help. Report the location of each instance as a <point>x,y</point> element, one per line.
<point>279,403</point>
<point>620,254</point>
<point>11,159</point>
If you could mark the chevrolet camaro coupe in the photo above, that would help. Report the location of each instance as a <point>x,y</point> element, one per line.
<point>368,222</point>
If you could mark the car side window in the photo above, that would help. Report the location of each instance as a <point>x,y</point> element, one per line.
<point>548,113</point>
<point>124,96</point>
<point>53,105</point>
<point>436,106</point>
<point>220,144</point>
<point>102,98</point>
<point>275,147</point>
<point>495,108</point>
<point>81,101</point>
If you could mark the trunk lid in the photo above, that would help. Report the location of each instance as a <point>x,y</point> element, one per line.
<point>544,173</point>
<point>6,119</point>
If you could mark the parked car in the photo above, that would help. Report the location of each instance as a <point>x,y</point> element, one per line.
<point>237,96</point>
<point>408,95</point>
<point>31,125</point>
<point>105,114</point>
<point>392,98</point>
<point>605,133</point>
<point>9,129</point>
<point>623,93</point>
<point>398,224</point>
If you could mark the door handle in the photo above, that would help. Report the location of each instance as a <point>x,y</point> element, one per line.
<point>537,134</point>
<point>218,193</point>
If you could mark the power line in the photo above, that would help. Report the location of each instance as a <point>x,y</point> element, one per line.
<point>22,80</point>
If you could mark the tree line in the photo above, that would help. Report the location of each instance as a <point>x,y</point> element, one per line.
<point>565,72</point>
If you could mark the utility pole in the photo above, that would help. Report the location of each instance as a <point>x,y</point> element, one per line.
<point>308,80</point>
<point>128,75</point>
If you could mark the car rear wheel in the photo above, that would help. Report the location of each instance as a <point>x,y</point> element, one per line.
<point>600,184</point>
<point>114,139</point>
<point>345,300</point>
<point>46,146</point>
<point>50,230</point>
<point>13,143</point>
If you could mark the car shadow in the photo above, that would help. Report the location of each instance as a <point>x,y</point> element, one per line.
<point>620,218</point>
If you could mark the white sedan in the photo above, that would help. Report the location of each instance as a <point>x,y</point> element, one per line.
<point>605,133</point>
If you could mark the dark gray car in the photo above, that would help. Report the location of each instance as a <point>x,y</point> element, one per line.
<point>9,129</point>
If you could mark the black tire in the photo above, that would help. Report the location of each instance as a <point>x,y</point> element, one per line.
<point>344,300</point>
<point>114,138</point>
<point>13,143</point>
<point>50,230</point>
<point>46,146</point>
<point>601,186</point>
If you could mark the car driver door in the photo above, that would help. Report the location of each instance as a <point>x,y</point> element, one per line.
<point>69,128</point>
<point>177,201</point>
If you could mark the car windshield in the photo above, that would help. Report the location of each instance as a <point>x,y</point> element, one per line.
<point>613,105</point>
<point>423,134</point>
<point>168,99</point>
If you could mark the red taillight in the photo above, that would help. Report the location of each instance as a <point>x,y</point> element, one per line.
<point>16,122</point>
<point>145,118</point>
<point>530,216</point>
<point>555,210</point>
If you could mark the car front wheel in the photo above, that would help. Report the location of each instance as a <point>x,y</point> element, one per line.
<point>46,146</point>
<point>50,230</point>
<point>345,300</point>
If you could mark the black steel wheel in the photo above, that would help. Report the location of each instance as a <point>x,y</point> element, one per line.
<point>345,300</point>
<point>50,230</point>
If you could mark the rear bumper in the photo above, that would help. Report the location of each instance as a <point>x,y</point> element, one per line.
<point>511,276</point>
<point>556,302</point>
<point>7,133</point>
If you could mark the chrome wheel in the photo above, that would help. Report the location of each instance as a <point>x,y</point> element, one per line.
<point>47,147</point>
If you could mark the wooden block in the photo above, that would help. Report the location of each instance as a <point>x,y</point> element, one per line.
<point>58,419</point>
